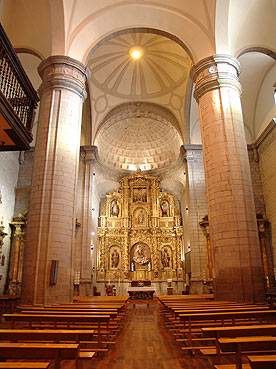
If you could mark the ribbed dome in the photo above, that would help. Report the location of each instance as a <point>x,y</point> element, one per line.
<point>162,67</point>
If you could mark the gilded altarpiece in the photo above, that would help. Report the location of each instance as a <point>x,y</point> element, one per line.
<point>140,234</point>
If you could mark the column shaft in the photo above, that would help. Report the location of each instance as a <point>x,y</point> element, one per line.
<point>51,218</point>
<point>237,265</point>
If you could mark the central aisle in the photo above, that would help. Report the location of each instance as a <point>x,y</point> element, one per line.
<point>146,344</point>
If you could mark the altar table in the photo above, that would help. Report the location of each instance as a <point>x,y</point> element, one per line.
<point>141,293</point>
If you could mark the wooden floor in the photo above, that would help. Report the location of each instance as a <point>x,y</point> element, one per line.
<point>145,344</point>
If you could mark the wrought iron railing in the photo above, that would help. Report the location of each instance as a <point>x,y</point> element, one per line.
<point>15,85</point>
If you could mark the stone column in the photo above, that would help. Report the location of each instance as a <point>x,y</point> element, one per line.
<point>14,287</point>
<point>237,264</point>
<point>51,219</point>
<point>83,249</point>
<point>261,221</point>
<point>204,224</point>
<point>197,207</point>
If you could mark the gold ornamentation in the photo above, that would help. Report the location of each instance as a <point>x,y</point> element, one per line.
<point>140,232</point>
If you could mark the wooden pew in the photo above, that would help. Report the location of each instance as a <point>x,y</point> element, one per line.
<point>262,361</point>
<point>240,345</point>
<point>113,324</point>
<point>235,331</point>
<point>68,319</point>
<point>173,316</point>
<point>51,335</point>
<point>24,365</point>
<point>111,314</point>
<point>184,298</point>
<point>39,351</point>
<point>221,317</point>
<point>8,303</point>
<point>101,299</point>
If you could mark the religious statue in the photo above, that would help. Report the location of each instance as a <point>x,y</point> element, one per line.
<point>115,257</point>
<point>164,208</point>
<point>144,197</point>
<point>165,258</point>
<point>115,209</point>
<point>140,217</point>
<point>139,255</point>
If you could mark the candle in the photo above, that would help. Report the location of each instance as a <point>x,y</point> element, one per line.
<point>119,281</point>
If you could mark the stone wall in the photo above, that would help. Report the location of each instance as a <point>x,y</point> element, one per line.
<point>266,145</point>
<point>8,179</point>
<point>256,179</point>
<point>23,188</point>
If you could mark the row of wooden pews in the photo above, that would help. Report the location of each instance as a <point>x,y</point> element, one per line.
<point>72,331</point>
<point>245,331</point>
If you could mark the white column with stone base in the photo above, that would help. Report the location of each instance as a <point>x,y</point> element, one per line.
<point>237,263</point>
<point>51,219</point>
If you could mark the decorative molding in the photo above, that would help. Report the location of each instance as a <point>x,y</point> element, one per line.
<point>215,72</point>
<point>60,71</point>
<point>269,128</point>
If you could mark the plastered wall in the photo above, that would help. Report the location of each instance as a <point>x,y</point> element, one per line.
<point>9,167</point>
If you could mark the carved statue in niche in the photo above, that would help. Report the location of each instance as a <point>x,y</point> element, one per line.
<point>114,208</point>
<point>114,258</point>
<point>166,257</point>
<point>144,196</point>
<point>139,194</point>
<point>165,209</point>
<point>140,256</point>
<point>140,218</point>
<point>135,196</point>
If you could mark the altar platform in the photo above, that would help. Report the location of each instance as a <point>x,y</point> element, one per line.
<point>140,291</point>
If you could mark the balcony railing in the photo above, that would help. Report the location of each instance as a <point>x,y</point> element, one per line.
<point>18,100</point>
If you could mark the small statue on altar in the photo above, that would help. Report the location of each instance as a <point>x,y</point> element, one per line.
<point>115,209</point>
<point>164,208</point>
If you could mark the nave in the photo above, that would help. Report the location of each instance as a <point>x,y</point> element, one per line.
<point>146,344</point>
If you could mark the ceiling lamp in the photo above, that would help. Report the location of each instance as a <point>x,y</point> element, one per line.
<point>136,52</point>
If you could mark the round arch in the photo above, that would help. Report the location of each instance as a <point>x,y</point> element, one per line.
<point>185,28</point>
<point>258,49</point>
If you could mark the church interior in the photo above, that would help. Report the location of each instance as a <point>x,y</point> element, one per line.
<point>138,155</point>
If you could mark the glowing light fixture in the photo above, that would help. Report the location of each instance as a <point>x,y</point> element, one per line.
<point>136,52</point>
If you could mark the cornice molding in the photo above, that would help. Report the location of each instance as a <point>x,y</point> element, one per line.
<point>215,72</point>
<point>60,71</point>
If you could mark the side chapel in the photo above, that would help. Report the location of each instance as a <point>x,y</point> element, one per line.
<point>140,234</point>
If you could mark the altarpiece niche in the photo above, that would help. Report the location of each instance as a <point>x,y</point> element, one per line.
<point>140,233</point>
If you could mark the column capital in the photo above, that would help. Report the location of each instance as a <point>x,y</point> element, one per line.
<point>214,72</point>
<point>89,154</point>
<point>61,71</point>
